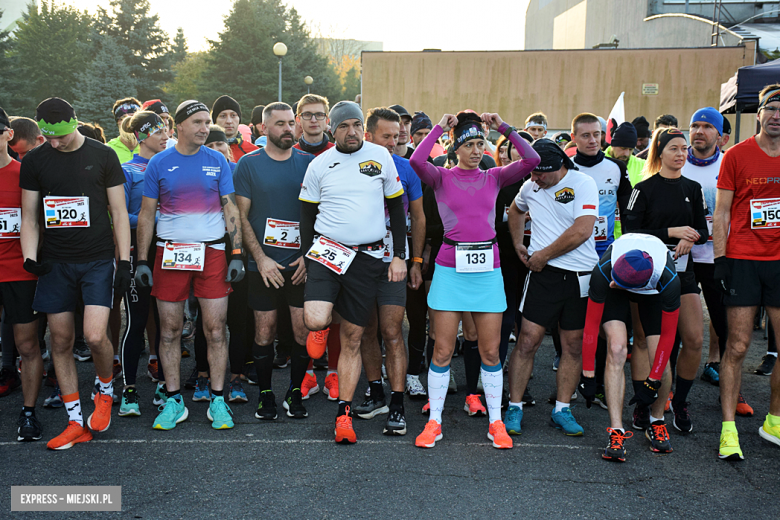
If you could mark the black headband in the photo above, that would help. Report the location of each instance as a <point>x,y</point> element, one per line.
<point>186,111</point>
<point>667,134</point>
<point>216,136</point>
<point>126,109</point>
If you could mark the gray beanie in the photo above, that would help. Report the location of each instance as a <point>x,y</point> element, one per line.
<point>342,111</point>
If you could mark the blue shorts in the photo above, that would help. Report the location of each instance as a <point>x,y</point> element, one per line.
<point>59,290</point>
<point>467,292</point>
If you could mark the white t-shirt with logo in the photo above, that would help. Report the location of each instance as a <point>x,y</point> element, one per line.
<point>350,190</point>
<point>554,210</point>
<point>707,176</point>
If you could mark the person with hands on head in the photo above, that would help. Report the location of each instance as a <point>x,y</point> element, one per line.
<point>194,187</point>
<point>672,208</point>
<point>344,194</point>
<point>268,183</point>
<point>150,131</point>
<point>74,179</point>
<point>746,247</point>
<point>563,205</point>
<point>467,276</point>
<point>637,269</point>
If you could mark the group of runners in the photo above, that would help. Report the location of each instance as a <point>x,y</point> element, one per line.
<point>325,226</point>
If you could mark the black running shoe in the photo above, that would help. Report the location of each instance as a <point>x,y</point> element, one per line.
<point>81,351</point>
<point>281,361</point>
<point>682,419</point>
<point>321,363</point>
<point>266,409</point>
<point>370,408</point>
<point>192,381</point>
<point>395,423</point>
<point>615,449</point>
<point>658,436</point>
<point>528,399</point>
<point>641,418</point>
<point>767,365</point>
<point>29,428</point>
<point>293,403</point>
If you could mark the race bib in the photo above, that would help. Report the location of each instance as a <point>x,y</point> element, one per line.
<point>506,213</point>
<point>408,225</point>
<point>764,213</point>
<point>282,233</point>
<point>584,284</point>
<point>527,231</point>
<point>681,263</point>
<point>600,229</point>
<point>331,254</point>
<point>388,242</point>
<point>184,257</point>
<point>63,212</point>
<point>10,222</point>
<point>709,227</point>
<point>474,257</point>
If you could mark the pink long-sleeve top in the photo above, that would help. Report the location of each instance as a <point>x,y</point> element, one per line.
<point>467,198</point>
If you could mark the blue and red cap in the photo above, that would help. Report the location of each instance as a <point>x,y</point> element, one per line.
<point>633,269</point>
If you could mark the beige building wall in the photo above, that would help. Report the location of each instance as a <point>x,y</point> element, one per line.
<point>569,27</point>
<point>559,83</point>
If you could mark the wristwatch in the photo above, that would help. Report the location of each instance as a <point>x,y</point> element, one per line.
<point>402,256</point>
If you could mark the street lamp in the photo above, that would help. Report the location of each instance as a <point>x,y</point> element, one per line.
<point>308,80</point>
<point>280,50</point>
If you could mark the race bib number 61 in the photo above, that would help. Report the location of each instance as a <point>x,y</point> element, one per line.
<point>10,222</point>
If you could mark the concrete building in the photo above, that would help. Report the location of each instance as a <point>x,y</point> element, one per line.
<point>635,24</point>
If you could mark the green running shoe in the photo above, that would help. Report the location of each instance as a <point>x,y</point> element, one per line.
<point>171,413</point>
<point>220,414</point>
<point>129,404</point>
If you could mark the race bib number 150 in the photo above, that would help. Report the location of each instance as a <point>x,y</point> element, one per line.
<point>764,213</point>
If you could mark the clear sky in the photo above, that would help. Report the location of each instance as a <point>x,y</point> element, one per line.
<point>401,26</point>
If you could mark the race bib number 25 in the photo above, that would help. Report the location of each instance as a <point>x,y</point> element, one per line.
<point>63,212</point>
<point>331,254</point>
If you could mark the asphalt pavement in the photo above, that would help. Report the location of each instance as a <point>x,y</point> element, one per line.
<point>292,468</point>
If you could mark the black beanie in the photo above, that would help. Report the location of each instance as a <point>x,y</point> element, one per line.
<point>224,103</point>
<point>624,136</point>
<point>642,127</point>
<point>257,115</point>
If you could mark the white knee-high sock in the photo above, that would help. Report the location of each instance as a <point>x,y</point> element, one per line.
<point>493,383</point>
<point>438,382</point>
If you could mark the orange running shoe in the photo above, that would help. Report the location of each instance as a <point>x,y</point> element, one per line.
<point>316,343</point>
<point>474,406</point>
<point>309,386</point>
<point>431,434</point>
<point>332,386</point>
<point>345,434</point>
<point>668,404</point>
<point>100,419</point>
<point>497,433</point>
<point>743,409</point>
<point>427,408</point>
<point>73,434</point>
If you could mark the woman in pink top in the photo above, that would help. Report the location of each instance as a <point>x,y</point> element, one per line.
<point>467,276</point>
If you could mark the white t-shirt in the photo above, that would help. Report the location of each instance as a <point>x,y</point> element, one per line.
<point>649,244</point>
<point>707,176</point>
<point>553,211</point>
<point>350,190</point>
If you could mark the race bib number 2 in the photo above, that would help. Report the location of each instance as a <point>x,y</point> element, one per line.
<point>764,213</point>
<point>63,212</point>
<point>184,257</point>
<point>10,222</point>
<point>282,233</point>
<point>331,254</point>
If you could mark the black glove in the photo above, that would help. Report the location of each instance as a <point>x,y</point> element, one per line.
<point>647,393</point>
<point>722,274</point>
<point>588,389</point>
<point>38,269</point>
<point>235,269</point>
<point>123,278</point>
<point>143,275</point>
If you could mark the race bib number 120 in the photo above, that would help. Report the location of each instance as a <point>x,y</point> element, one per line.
<point>10,222</point>
<point>61,212</point>
<point>184,257</point>
<point>331,254</point>
<point>764,213</point>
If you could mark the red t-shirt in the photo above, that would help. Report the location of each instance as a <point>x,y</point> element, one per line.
<point>240,150</point>
<point>753,176</point>
<point>315,154</point>
<point>11,259</point>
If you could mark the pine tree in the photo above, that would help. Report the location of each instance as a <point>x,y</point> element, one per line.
<point>188,79</point>
<point>50,52</point>
<point>105,80</point>
<point>351,84</point>
<point>241,62</point>
<point>179,49</point>
<point>143,45</point>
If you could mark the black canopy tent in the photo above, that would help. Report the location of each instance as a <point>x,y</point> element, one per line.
<point>740,93</point>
